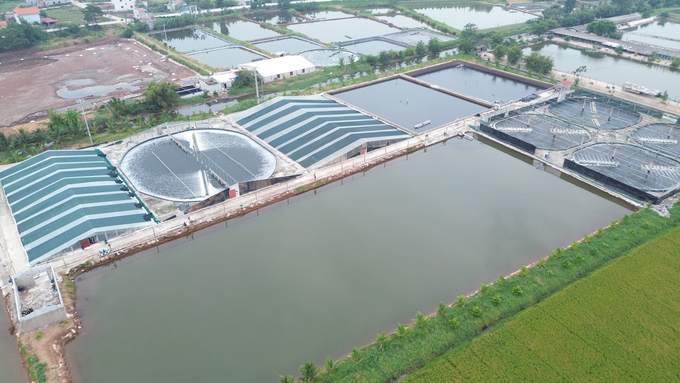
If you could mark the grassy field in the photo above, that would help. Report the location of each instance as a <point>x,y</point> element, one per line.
<point>618,325</point>
<point>8,5</point>
<point>413,346</point>
<point>67,15</point>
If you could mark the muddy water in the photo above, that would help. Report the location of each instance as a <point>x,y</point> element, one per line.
<point>11,369</point>
<point>325,272</point>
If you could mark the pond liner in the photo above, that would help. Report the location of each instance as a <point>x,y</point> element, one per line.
<point>514,141</point>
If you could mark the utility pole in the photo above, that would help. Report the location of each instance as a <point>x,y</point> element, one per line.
<point>165,33</point>
<point>80,101</point>
<point>257,90</point>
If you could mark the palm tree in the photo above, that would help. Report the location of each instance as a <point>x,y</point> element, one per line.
<point>331,366</point>
<point>22,138</point>
<point>4,143</point>
<point>401,330</point>
<point>309,372</point>
<point>382,340</point>
<point>72,117</point>
<point>39,136</point>
<point>286,379</point>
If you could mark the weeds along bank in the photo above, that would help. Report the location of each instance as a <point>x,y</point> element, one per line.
<point>414,345</point>
<point>620,324</point>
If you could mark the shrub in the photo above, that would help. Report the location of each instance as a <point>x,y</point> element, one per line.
<point>550,273</point>
<point>502,281</point>
<point>476,311</point>
<point>574,245</point>
<point>461,301</point>
<point>579,257</point>
<point>356,354</point>
<point>523,272</point>
<point>566,264</point>
<point>593,250</point>
<point>331,366</point>
<point>401,330</point>
<point>541,263</point>
<point>382,340</point>
<point>676,63</point>
<point>484,289</point>
<point>421,320</point>
<point>517,290</point>
<point>496,300</point>
<point>453,322</point>
<point>441,310</point>
<point>586,239</point>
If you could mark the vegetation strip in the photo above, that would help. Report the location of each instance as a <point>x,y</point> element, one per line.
<point>413,346</point>
<point>616,325</point>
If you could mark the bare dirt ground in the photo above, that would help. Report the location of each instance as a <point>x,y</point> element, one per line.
<point>31,79</point>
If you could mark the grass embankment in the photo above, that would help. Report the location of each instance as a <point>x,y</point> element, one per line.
<point>67,15</point>
<point>427,338</point>
<point>618,325</point>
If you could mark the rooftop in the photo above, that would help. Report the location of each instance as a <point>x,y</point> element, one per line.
<point>272,67</point>
<point>26,11</point>
<point>60,198</point>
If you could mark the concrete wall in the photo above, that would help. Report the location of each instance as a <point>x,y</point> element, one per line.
<point>42,318</point>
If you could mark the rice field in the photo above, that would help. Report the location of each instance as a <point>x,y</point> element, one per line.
<point>618,325</point>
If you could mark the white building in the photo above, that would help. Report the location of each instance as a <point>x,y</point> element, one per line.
<point>30,15</point>
<point>280,67</point>
<point>123,5</point>
<point>142,14</point>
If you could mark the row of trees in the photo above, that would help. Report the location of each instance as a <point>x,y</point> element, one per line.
<point>434,46</point>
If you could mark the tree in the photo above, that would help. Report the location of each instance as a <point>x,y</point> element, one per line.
<point>286,379</point>
<point>601,27</point>
<point>127,33</point>
<point>569,6</point>
<point>401,330</point>
<point>331,366</point>
<point>309,372</point>
<point>619,50</point>
<point>92,13</point>
<point>20,36</point>
<point>484,289</point>
<point>469,31</point>
<point>284,4</point>
<point>462,301</point>
<point>441,310</point>
<point>160,95</point>
<point>341,62</point>
<point>356,354</point>
<point>219,3</point>
<point>421,319</point>
<point>384,57</point>
<point>514,54</point>
<point>499,51</point>
<point>4,143</point>
<point>382,340</point>
<point>676,63</point>
<point>434,45</point>
<point>420,48</point>
<point>539,63</point>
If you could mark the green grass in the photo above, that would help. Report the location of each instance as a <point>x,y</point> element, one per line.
<point>7,6</point>
<point>67,15</point>
<point>423,344</point>
<point>618,325</point>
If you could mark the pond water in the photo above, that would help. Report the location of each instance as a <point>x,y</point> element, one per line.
<point>327,15</point>
<point>613,70</point>
<point>328,57</point>
<point>408,104</point>
<point>485,86</point>
<point>278,18</point>
<point>190,39</point>
<point>373,47</point>
<point>226,58</point>
<point>95,90</point>
<point>645,34</point>
<point>216,107</point>
<point>342,30</point>
<point>402,21</point>
<point>258,298</point>
<point>11,368</point>
<point>483,16</point>
<point>240,30</point>
<point>289,45</point>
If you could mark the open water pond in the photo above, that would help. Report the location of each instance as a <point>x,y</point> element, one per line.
<point>278,18</point>
<point>326,273</point>
<point>656,33</point>
<point>289,45</point>
<point>11,367</point>
<point>327,15</point>
<point>190,39</point>
<point>373,47</point>
<point>402,21</point>
<point>240,30</point>
<point>226,58</point>
<point>483,16</point>
<point>482,85</point>
<point>342,30</point>
<point>408,104</point>
<point>613,70</point>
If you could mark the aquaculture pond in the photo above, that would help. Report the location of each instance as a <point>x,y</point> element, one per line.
<point>611,69</point>
<point>342,30</point>
<point>325,271</point>
<point>240,30</point>
<point>664,34</point>
<point>482,15</point>
<point>226,57</point>
<point>290,45</point>
<point>482,85</point>
<point>190,39</point>
<point>408,104</point>
<point>278,18</point>
<point>402,21</point>
<point>373,47</point>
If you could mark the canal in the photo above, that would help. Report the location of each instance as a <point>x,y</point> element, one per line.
<point>321,273</point>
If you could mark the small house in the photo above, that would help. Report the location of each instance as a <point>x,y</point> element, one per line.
<point>30,15</point>
<point>280,67</point>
